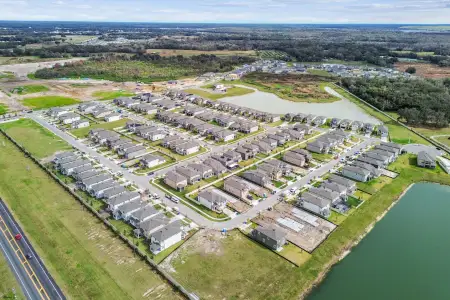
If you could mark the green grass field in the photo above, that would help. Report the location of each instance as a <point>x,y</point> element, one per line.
<point>108,95</point>
<point>35,138</point>
<point>7,75</point>
<point>8,284</point>
<point>83,132</point>
<point>234,91</point>
<point>3,109</point>
<point>48,101</point>
<point>29,89</point>
<point>85,258</point>
<point>271,277</point>
<point>422,53</point>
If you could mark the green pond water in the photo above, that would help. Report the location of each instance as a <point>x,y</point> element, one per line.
<point>405,256</point>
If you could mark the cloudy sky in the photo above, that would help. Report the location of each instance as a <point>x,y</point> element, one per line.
<point>232,11</point>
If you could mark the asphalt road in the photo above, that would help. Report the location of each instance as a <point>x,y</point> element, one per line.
<point>32,275</point>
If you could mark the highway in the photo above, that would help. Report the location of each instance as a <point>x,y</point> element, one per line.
<point>31,274</point>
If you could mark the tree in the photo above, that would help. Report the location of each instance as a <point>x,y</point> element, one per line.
<point>410,70</point>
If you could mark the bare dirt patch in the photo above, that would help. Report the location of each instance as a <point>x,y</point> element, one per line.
<point>425,70</point>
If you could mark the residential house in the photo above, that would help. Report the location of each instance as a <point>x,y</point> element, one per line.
<point>332,196</point>
<point>390,155</point>
<point>146,212</point>
<point>62,155</point>
<point>217,167</point>
<point>203,129</point>
<point>345,124</point>
<point>204,170</point>
<point>124,211</point>
<point>101,112</point>
<point>319,121</point>
<point>87,107</point>
<point>356,173</point>
<point>318,147</point>
<point>306,129</point>
<point>150,161</point>
<point>258,177</point>
<point>86,174</point>
<point>89,183</point>
<point>280,139</point>
<point>374,172</point>
<point>393,145</point>
<point>236,186</point>
<point>151,225</point>
<point>98,189</point>
<point>426,160</point>
<point>213,200</point>
<point>294,134</point>
<point>272,237</point>
<point>175,180</point>
<point>224,120</point>
<point>233,155</point>
<point>224,135</point>
<point>67,159</point>
<point>271,142</point>
<point>349,184</point>
<point>263,147</point>
<point>253,148</point>
<point>305,153</point>
<point>336,188</point>
<point>245,153</point>
<point>168,141</point>
<point>274,172</point>
<point>56,112</point>
<point>383,131</point>
<point>166,237</point>
<point>357,125</point>
<point>315,204</point>
<point>114,192</point>
<point>374,162</point>
<point>294,158</point>
<point>226,161</point>
<point>188,148</point>
<point>69,118</point>
<point>249,127</point>
<point>285,168</point>
<point>115,144</point>
<point>310,118</point>
<point>191,175</point>
<point>68,168</point>
<point>116,202</point>
<point>80,124</point>
<point>368,128</point>
<point>334,123</point>
<point>377,156</point>
<point>299,117</point>
<point>394,151</point>
<point>112,117</point>
<point>77,172</point>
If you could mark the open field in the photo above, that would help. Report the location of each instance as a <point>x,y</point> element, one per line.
<point>48,101</point>
<point>296,88</point>
<point>83,132</point>
<point>208,256</point>
<point>423,53</point>
<point>77,39</point>
<point>108,95</point>
<point>87,260</point>
<point>3,109</point>
<point>8,282</point>
<point>425,69</point>
<point>5,60</point>
<point>175,52</point>
<point>397,133</point>
<point>7,75</point>
<point>35,138</point>
<point>29,89</point>
<point>272,54</point>
<point>208,93</point>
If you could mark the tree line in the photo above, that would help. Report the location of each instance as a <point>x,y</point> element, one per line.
<point>418,101</point>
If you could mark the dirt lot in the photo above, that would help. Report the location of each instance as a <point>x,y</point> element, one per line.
<point>425,70</point>
<point>310,236</point>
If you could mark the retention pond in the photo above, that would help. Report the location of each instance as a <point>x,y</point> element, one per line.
<point>405,256</point>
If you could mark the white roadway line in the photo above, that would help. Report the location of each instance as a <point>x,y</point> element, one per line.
<point>29,248</point>
<point>15,271</point>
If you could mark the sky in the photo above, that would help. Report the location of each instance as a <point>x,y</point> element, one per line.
<point>231,11</point>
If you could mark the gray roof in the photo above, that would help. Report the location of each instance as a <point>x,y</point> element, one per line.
<point>134,149</point>
<point>82,169</point>
<point>200,167</point>
<point>114,192</point>
<point>423,155</point>
<point>187,172</point>
<point>153,223</point>
<point>357,170</point>
<point>145,212</point>
<point>64,154</point>
<point>131,206</point>
<point>216,165</point>
<point>273,232</point>
<point>67,159</point>
<point>168,231</point>
<point>237,183</point>
<point>341,180</point>
<point>371,161</point>
<point>314,199</point>
<point>74,164</point>
<point>189,145</point>
<point>392,145</point>
<point>212,196</point>
<point>324,193</point>
<point>95,179</point>
<point>104,186</point>
<point>123,198</point>
<point>151,157</point>
<point>175,177</point>
<point>333,186</point>
<point>88,174</point>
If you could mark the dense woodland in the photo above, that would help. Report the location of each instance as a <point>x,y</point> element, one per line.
<point>418,101</point>
<point>144,67</point>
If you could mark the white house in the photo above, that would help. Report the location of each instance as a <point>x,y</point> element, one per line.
<point>315,204</point>
<point>150,161</point>
<point>69,118</point>
<point>80,124</point>
<point>212,200</point>
<point>165,237</point>
<point>112,117</point>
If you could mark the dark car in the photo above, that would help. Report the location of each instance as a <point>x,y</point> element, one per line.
<point>249,197</point>
<point>150,173</point>
<point>29,256</point>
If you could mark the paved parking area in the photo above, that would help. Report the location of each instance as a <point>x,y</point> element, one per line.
<point>416,148</point>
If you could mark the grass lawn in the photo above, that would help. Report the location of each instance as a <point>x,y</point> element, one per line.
<point>108,95</point>
<point>437,131</point>
<point>295,254</point>
<point>8,282</point>
<point>397,133</point>
<point>29,89</point>
<point>372,186</point>
<point>234,91</point>
<point>277,123</point>
<point>48,101</point>
<point>337,218</point>
<point>358,194</point>
<point>83,132</point>
<point>8,75</point>
<point>35,138</point>
<point>85,258</point>
<point>323,157</point>
<point>3,109</point>
<point>278,184</point>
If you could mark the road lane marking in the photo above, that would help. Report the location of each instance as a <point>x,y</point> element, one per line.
<point>7,233</point>
<point>29,248</point>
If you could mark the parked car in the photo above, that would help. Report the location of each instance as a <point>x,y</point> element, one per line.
<point>18,237</point>
<point>29,256</point>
